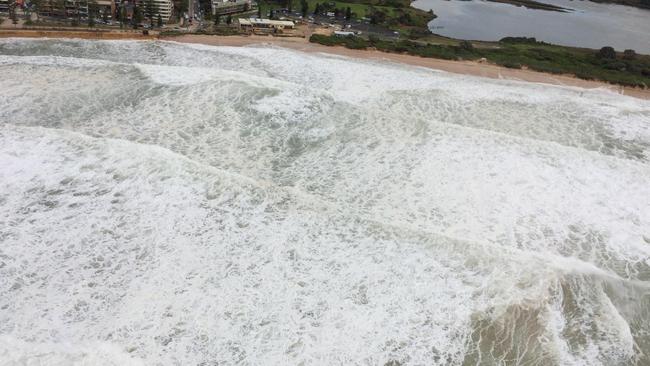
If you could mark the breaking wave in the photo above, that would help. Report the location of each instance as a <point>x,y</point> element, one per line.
<point>182,204</point>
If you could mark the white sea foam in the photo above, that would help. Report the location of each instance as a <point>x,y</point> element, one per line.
<point>185,204</point>
<point>17,352</point>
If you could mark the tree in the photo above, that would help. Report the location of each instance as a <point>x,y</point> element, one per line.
<point>77,10</point>
<point>348,13</point>
<point>229,20</point>
<point>607,53</point>
<point>122,15</point>
<point>12,14</point>
<point>259,10</point>
<point>377,16</point>
<point>317,9</point>
<point>217,20</point>
<point>137,16</point>
<point>93,9</point>
<point>37,7</point>
<point>59,8</point>
<point>629,55</point>
<point>304,7</point>
<point>272,14</point>
<point>206,8</point>
<point>183,6</point>
<point>160,21</point>
<point>149,10</point>
<point>466,45</point>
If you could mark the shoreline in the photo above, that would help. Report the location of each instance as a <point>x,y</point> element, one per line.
<point>302,44</point>
<point>457,67</point>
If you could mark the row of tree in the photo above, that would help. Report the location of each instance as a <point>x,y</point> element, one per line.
<point>319,9</point>
<point>138,15</point>
<point>91,9</point>
<point>608,53</point>
<point>338,13</point>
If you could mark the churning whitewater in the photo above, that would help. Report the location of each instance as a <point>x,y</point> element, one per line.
<point>170,204</point>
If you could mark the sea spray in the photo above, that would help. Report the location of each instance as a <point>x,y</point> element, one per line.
<point>184,204</point>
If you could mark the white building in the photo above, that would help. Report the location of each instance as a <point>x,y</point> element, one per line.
<point>266,23</point>
<point>4,6</point>
<point>220,7</point>
<point>162,7</point>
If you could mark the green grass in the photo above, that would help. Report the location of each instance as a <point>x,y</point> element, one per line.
<point>359,9</point>
<point>363,9</point>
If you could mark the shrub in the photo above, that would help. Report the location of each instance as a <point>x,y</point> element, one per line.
<point>629,55</point>
<point>607,53</point>
<point>616,65</point>
<point>466,45</point>
<point>355,42</point>
<point>518,40</point>
<point>322,39</point>
<point>511,65</point>
<point>416,33</point>
<point>373,39</point>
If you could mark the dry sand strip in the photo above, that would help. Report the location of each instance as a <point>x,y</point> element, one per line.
<point>302,44</point>
<point>458,67</point>
<point>82,34</point>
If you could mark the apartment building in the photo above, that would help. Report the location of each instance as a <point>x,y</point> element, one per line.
<point>220,7</point>
<point>162,7</point>
<point>4,6</point>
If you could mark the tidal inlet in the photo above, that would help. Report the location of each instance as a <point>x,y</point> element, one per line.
<point>174,204</point>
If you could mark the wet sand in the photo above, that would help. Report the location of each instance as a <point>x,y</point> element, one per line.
<point>458,67</point>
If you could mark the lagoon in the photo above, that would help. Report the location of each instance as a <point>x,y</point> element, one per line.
<point>587,24</point>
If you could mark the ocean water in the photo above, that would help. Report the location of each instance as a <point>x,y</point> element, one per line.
<point>169,204</point>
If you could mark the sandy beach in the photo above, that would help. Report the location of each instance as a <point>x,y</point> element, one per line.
<point>458,67</point>
<point>303,45</point>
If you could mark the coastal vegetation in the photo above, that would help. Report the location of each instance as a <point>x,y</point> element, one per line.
<point>627,68</point>
<point>396,15</point>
